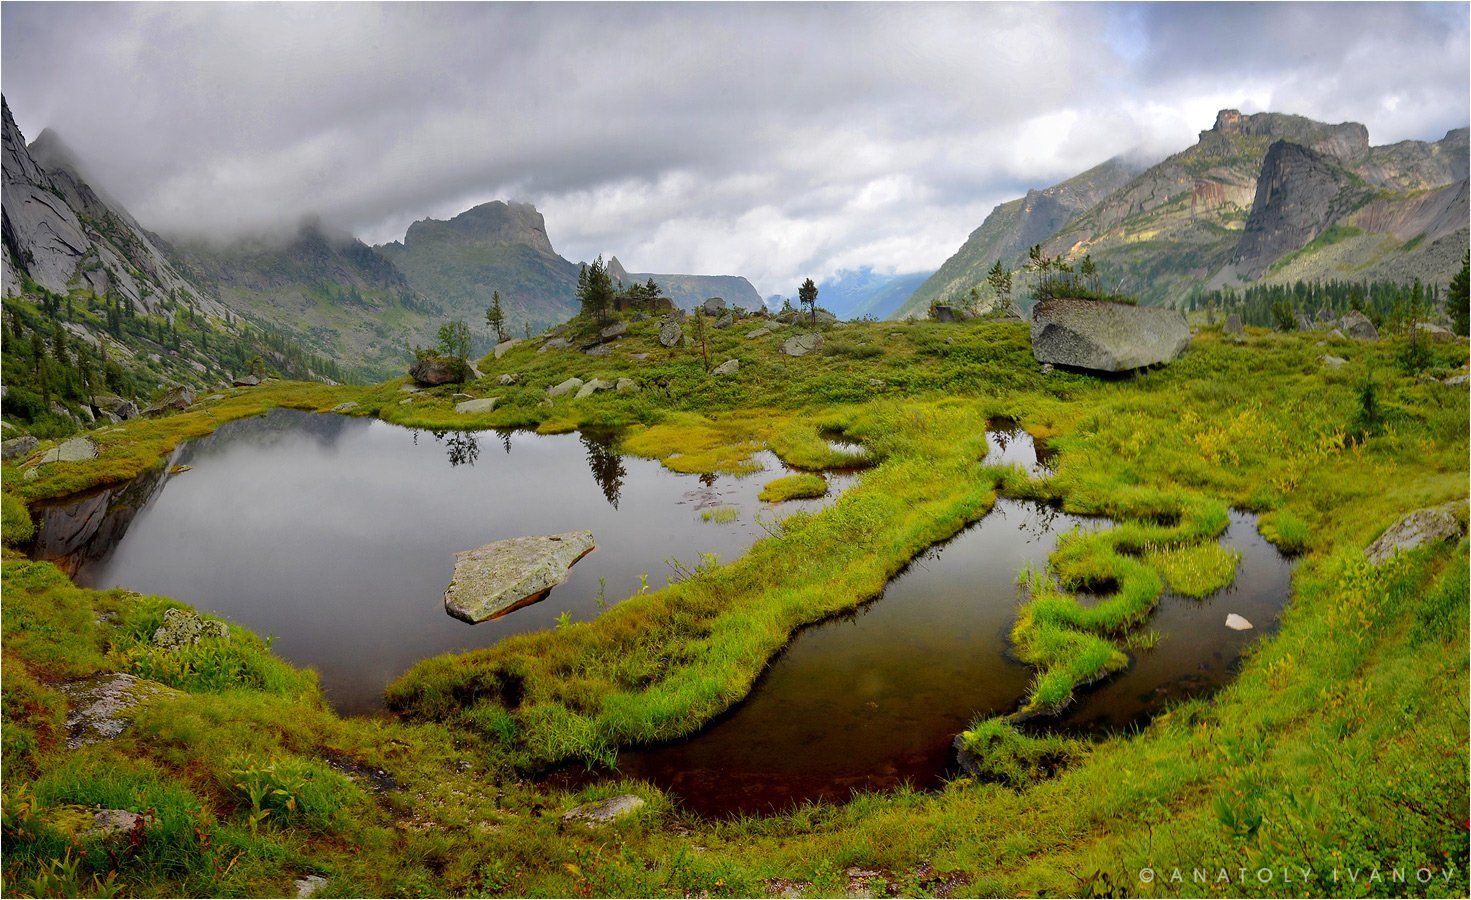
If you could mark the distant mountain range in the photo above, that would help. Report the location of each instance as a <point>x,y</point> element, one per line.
<point>1259,198</point>
<point>856,293</point>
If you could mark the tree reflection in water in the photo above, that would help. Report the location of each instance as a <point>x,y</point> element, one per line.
<point>605,462</point>
<point>461,447</point>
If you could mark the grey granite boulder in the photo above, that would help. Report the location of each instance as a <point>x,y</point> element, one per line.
<point>592,387</point>
<point>1423,526</point>
<point>614,331</point>
<point>729,367</point>
<point>713,306</point>
<point>627,386</point>
<point>566,387</point>
<point>1106,337</point>
<point>483,405</point>
<point>494,579</point>
<point>177,399</point>
<point>76,449</point>
<point>604,811</point>
<point>1357,326</point>
<point>508,378</point>
<point>670,331</point>
<point>554,344</point>
<point>802,344</point>
<point>99,707</point>
<point>1332,361</point>
<point>18,448</point>
<point>345,407</point>
<point>504,347</point>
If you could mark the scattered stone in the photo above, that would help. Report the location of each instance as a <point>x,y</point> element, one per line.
<point>1337,334</point>
<point>410,388</point>
<point>1047,368</point>
<point>713,306</point>
<point>877,383</point>
<point>614,332</point>
<point>113,405</point>
<point>944,312</point>
<point>604,811</point>
<point>1460,379</point>
<point>599,350</point>
<point>18,448</point>
<point>627,386</point>
<point>406,401</point>
<point>97,705</point>
<point>1357,326</point>
<point>108,822</point>
<point>180,398</point>
<point>802,344</point>
<point>1233,325</point>
<point>729,367</point>
<point>1423,526</point>
<point>437,370</point>
<point>1331,361</point>
<point>497,577</point>
<point>182,628</point>
<point>554,344</point>
<point>484,405</point>
<point>212,398</point>
<point>508,378</point>
<point>1106,337</point>
<point>762,331</point>
<point>592,387</point>
<point>76,449</point>
<point>1237,623</point>
<point>670,332</point>
<point>307,886</point>
<point>725,321</point>
<point>504,347</point>
<point>245,381</point>
<point>566,387</point>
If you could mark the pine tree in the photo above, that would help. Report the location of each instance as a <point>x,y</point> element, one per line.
<point>1000,280</point>
<point>1457,297</point>
<point>807,296</point>
<point>595,290</point>
<point>495,317</point>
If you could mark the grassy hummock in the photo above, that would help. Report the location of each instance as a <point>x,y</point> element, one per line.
<point>805,486</point>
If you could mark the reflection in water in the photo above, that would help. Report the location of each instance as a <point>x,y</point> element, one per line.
<point>605,462</point>
<point>873,700</point>
<point>461,447</point>
<point>337,534</point>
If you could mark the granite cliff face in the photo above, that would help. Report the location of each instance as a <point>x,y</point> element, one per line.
<point>1261,197</point>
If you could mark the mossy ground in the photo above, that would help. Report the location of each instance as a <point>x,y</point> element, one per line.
<point>1340,748</point>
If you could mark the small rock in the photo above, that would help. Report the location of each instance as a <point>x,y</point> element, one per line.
<point>246,381</point>
<point>1331,361</point>
<point>670,332</point>
<point>406,401</point>
<point>729,367</point>
<point>308,886</point>
<point>97,705</point>
<point>182,628</point>
<point>1460,379</point>
<point>1047,369</point>
<point>599,350</point>
<point>180,398</point>
<point>508,378</point>
<point>76,449</point>
<point>108,822</point>
<point>483,405</point>
<point>801,344</point>
<point>18,448</point>
<point>877,383</point>
<point>1237,623</point>
<point>461,396</point>
<point>1423,526</point>
<point>504,347</point>
<point>606,810</point>
<point>614,331</point>
<point>725,321</point>
<point>566,387</point>
<point>410,388</point>
<point>554,344</point>
<point>627,386</point>
<point>639,356</point>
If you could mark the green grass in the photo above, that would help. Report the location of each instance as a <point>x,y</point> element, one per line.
<point>721,515</point>
<point>793,487</point>
<point>1341,744</point>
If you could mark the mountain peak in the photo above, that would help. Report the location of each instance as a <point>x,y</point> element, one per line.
<point>493,223</point>
<point>617,272</point>
<point>1346,140</point>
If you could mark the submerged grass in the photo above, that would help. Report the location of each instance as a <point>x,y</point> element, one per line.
<point>1340,747</point>
<point>793,487</point>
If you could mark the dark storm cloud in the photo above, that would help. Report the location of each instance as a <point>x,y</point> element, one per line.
<point>772,141</point>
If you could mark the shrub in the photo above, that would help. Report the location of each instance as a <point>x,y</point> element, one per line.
<point>16,526</point>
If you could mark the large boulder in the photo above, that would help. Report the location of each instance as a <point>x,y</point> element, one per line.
<point>944,312</point>
<point>177,399</point>
<point>483,405</point>
<point>614,331</point>
<point>1423,526</point>
<point>713,306</point>
<point>76,449</point>
<point>494,579</point>
<point>435,370</point>
<point>1357,326</point>
<point>112,404</point>
<point>802,344</point>
<point>670,332</point>
<point>591,387</point>
<point>245,381</point>
<point>558,343</point>
<point>729,367</point>
<point>1106,337</point>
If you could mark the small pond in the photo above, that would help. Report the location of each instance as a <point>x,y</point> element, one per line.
<point>874,699</point>
<point>336,535</point>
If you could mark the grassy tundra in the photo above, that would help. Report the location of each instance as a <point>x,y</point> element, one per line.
<point>1339,751</point>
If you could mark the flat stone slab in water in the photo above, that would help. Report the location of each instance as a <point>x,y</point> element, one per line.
<point>493,579</point>
<point>1237,623</point>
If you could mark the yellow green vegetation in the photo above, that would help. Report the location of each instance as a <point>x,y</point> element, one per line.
<point>721,514</point>
<point>793,487</point>
<point>1341,745</point>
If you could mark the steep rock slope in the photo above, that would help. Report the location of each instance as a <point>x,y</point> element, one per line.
<point>1013,227</point>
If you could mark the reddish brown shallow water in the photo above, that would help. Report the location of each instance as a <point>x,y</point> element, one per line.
<point>873,700</point>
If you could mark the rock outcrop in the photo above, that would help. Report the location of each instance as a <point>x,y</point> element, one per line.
<point>437,370</point>
<point>182,628</point>
<point>1106,337</point>
<point>99,707</point>
<point>494,579</point>
<point>802,344</point>
<point>604,811</point>
<point>1357,326</point>
<point>1299,195</point>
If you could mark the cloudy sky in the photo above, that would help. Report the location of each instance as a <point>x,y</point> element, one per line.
<point>771,141</point>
